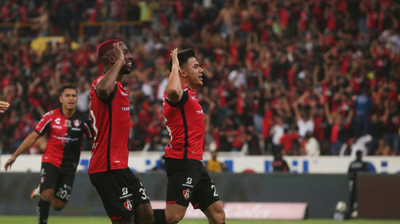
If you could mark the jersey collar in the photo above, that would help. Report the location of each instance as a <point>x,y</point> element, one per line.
<point>66,116</point>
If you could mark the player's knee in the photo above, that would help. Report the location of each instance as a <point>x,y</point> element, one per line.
<point>58,205</point>
<point>220,216</point>
<point>144,214</point>
<point>58,208</point>
<point>175,218</point>
<point>47,195</point>
<point>146,218</point>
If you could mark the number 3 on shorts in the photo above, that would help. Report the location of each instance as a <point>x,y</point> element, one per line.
<point>144,194</point>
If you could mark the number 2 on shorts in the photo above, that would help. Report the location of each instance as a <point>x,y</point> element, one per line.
<point>215,190</point>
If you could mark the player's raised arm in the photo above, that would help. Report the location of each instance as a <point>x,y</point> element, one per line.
<point>174,88</point>
<point>3,105</point>
<point>105,87</point>
<point>26,144</point>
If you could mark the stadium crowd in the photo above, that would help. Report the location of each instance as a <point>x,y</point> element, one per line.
<point>305,77</point>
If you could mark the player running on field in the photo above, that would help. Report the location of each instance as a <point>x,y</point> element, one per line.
<point>65,127</point>
<point>123,195</point>
<point>188,180</point>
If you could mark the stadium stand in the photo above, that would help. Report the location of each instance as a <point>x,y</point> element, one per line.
<point>270,67</point>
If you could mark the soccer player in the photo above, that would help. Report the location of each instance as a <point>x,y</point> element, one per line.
<point>123,195</point>
<point>60,159</point>
<point>3,105</point>
<point>188,180</point>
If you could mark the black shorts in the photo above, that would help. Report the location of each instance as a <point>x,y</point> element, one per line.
<point>188,181</point>
<point>121,192</point>
<point>52,177</point>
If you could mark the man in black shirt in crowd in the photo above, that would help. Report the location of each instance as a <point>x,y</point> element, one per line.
<point>279,164</point>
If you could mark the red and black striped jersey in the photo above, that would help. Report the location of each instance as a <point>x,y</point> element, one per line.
<point>185,124</point>
<point>65,137</point>
<point>111,122</point>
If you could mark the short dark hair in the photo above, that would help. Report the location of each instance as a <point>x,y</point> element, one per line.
<point>183,57</point>
<point>68,87</point>
<point>359,154</point>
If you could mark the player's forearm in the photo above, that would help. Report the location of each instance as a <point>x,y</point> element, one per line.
<point>174,89</point>
<point>105,86</point>
<point>26,144</point>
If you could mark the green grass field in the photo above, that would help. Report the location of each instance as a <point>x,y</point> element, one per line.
<point>105,220</point>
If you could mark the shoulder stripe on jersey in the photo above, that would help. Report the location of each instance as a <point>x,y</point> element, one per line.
<point>110,98</point>
<point>88,130</point>
<point>184,99</point>
<point>186,131</point>
<point>44,126</point>
<point>183,90</point>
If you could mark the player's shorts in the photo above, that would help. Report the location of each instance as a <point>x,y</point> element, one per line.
<point>52,177</point>
<point>121,192</point>
<point>189,181</point>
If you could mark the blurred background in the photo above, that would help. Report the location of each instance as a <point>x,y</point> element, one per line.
<point>272,69</point>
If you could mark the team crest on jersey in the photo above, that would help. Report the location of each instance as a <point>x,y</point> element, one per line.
<point>77,123</point>
<point>186,194</point>
<point>128,205</point>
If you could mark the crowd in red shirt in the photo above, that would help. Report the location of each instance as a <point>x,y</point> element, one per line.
<point>315,64</point>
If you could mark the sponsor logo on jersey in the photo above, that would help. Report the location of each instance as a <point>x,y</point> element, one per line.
<point>77,123</point>
<point>56,127</point>
<point>199,111</point>
<point>67,123</point>
<point>125,108</point>
<point>66,139</point>
<point>125,193</point>
<point>128,205</point>
<point>186,194</point>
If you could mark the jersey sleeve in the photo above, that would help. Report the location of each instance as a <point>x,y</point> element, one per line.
<point>110,98</point>
<point>184,99</point>
<point>88,128</point>
<point>44,123</point>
